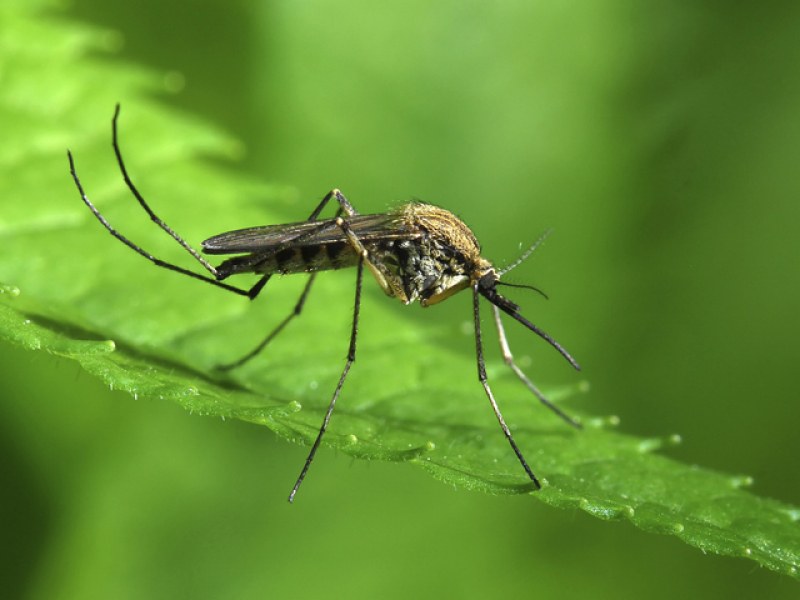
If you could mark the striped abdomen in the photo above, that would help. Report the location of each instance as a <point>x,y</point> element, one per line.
<point>295,259</point>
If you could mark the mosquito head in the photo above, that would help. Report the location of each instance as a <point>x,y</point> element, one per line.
<point>489,278</point>
<point>487,287</point>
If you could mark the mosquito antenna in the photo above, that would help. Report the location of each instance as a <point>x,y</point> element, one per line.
<point>525,254</point>
<point>524,286</point>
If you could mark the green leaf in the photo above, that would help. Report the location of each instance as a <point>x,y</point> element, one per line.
<point>72,290</point>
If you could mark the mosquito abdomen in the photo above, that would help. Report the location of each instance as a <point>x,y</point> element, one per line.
<point>295,259</point>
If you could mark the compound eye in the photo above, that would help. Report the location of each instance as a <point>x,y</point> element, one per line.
<point>488,281</point>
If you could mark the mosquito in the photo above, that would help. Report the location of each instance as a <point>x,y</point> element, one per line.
<point>416,252</point>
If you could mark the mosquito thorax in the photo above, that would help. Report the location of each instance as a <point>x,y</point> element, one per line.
<point>440,256</point>
<point>443,227</point>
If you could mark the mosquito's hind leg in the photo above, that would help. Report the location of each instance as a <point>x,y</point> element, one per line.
<point>250,293</point>
<point>143,203</point>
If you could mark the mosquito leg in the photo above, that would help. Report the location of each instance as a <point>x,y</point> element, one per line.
<point>143,203</point>
<point>156,261</point>
<point>261,345</point>
<point>485,383</point>
<point>509,360</point>
<point>344,205</point>
<point>351,357</point>
<point>374,265</point>
<point>250,293</point>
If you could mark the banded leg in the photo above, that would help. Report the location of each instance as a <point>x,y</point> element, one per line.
<point>485,383</point>
<point>351,357</point>
<point>509,360</point>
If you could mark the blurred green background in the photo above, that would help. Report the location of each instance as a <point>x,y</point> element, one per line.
<point>659,141</point>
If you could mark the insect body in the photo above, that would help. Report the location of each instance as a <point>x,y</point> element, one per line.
<point>416,252</point>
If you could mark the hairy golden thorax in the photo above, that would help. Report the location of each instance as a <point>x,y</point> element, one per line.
<point>441,259</point>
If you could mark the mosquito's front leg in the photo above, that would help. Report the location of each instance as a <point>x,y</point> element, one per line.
<point>509,360</point>
<point>485,383</point>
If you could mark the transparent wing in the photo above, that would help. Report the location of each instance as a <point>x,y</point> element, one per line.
<point>307,233</point>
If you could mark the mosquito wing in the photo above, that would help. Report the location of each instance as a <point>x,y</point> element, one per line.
<point>306,233</point>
